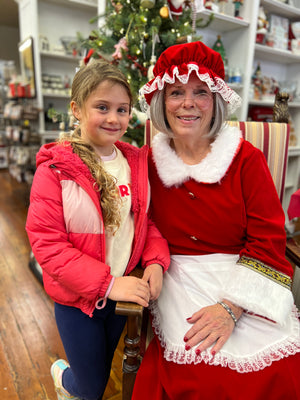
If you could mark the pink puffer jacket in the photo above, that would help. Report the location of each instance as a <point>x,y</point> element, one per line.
<point>66,231</point>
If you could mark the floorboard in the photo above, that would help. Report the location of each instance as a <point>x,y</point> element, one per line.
<point>29,340</point>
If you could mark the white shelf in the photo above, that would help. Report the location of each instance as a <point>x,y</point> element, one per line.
<point>294,151</point>
<point>268,53</point>
<point>266,103</point>
<point>294,104</point>
<point>284,10</point>
<point>49,136</point>
<point>50,133</point>
<point>221,22</point>
<point>269,103</point>
<point>235,86</point>
<point>80,4</point>
<point>60,56</point>
<point>289,185</point>
<point>56,96</point>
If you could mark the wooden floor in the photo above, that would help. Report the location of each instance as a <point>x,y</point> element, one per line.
<point>29,340</point>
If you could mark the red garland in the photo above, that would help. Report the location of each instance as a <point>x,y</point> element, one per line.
<point>131,58</point>
<point>88,56</point>
<point>139,66</point>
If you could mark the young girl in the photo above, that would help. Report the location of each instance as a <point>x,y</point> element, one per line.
<point>88,227</point>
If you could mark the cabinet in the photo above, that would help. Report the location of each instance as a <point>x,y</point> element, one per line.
<point>239,39</point>
<point>52,24</point>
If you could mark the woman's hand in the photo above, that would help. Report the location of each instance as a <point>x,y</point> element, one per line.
<point>212,324</point>
<point>153,274</point>
<point>129,288</point>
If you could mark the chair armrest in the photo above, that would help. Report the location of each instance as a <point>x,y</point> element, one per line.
<point>132,340</point>
<point>293,251</point>
<point>128,308</point>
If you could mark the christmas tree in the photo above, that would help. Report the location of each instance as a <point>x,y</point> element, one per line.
<point>133,36</point>
<point>219,48</point>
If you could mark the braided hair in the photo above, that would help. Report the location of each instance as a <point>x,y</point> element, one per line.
<point>86,80</point>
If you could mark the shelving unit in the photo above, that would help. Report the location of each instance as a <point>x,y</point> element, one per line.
<point>239,39</point>
<point>223,22</point>
<point>285,10</point>
<point>55,19</point>
<point>60,57</point>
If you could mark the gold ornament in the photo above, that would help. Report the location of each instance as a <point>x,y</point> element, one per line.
<point>181,39</point>
<point>164,12</point>
<point>147,3</point>
<point>118,7</point>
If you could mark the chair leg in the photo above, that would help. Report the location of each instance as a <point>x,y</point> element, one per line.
<point>132,339</point>
<point>132,360</point>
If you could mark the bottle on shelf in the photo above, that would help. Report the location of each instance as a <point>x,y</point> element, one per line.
<point>25,132</point>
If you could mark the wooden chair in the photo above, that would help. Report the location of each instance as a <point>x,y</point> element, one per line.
<point>272,139</point>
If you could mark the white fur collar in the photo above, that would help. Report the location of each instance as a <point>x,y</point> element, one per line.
<point>173,171</point>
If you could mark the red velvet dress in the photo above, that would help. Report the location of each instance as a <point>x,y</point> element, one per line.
<point>226,205</point>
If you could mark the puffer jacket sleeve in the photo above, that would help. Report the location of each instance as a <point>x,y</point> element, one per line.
<point>64,266</point>
<point>156,250</point>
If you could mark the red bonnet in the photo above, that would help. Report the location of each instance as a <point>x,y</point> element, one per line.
<point>179,61</point>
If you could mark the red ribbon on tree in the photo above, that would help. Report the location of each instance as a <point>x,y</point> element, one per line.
<point>137,65</point>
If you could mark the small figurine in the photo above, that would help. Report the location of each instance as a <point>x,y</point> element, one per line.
<point>280,110</point>
<point>210,5</point>
<point>222,5</point>
<point>257,81</point>
<point>237,6</point>
<point>262,26</point>
<point>122,44</point>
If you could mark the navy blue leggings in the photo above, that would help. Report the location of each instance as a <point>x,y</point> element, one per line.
<point>89,344</point>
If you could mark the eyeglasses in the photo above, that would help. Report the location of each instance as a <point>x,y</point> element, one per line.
<point>179,96</point>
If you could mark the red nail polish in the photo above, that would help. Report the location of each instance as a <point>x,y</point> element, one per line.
<point>187,347</point>
<point>197,352</point>
<point>213,353</point>
<point>188,318</point>
<point>185,339</point>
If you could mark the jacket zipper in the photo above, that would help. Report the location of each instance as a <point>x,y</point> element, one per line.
<point>134,259</point>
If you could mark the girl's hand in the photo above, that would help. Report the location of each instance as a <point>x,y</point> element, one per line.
<point>129,288</point>
<point>212,324</point>
<point>153,274</point>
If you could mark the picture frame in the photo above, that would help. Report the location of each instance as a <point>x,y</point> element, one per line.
<point>27,66</point>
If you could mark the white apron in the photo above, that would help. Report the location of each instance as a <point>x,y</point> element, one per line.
<point>193,282</point>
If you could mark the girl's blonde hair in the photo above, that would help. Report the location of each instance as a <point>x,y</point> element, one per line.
<point>86,80</point>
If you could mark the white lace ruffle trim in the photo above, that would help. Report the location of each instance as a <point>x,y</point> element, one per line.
<point>259,361</point>
<point>216,85</point>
